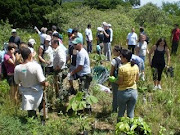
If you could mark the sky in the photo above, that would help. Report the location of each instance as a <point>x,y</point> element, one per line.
<point>157,2</point>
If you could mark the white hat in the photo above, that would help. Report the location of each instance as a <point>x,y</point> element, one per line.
<point>100,29</point>
<point>109,25</point>
<point>48,38</point>
<point>13,31</point>
<point>104,23</point>
<point>32,41</point>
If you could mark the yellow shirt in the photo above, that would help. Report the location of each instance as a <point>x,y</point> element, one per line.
<point>129,74</point>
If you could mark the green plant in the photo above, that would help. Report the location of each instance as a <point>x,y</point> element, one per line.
<point>132,126</point>
<point>78,102</point>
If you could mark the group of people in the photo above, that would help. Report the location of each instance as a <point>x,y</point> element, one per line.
<point>27,75</point>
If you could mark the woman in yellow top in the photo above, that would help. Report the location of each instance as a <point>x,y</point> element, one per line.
<point>128,75</point>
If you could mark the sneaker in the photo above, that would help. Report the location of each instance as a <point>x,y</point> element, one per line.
<point>159,87</point>
<point>155,88</point>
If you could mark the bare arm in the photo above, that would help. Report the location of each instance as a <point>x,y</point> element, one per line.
<point>12,60</point>
<point>168,56</point>
<point>40,51</point>
<point>112,70</point>
<point>79,68</point>
<point>150,53</point>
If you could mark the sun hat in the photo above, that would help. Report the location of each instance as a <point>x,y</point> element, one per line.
<point>48,38</point>
<point>13,31</point>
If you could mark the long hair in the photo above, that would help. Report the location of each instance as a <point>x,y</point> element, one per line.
<point>127,54</point>
<point>160,40</point>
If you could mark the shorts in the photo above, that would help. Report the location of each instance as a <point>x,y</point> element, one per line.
<point>10,80</point>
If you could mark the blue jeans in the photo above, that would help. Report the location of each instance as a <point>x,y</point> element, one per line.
<point>126,101</point>
<point>114,101</point>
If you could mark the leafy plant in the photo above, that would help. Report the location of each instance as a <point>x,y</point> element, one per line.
<point>78,102</point>
<point>132,126</point>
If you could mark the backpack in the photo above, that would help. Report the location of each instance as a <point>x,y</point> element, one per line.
<point>118,62</point>
<point>3,71</point>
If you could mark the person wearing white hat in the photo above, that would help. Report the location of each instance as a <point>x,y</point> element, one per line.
<point>100,39</point>
<point>31,43</point>
<point>110,28</point>
<point>45,55</point>
<point>89,38</point>
<point>14,38</point>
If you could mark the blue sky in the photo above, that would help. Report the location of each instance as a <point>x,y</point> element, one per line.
<point>157,2</point>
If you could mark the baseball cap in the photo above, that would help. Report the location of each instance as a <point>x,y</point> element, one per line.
<point>109,25</point>
<point>32,41</point>
<point>69,30</point>
<point>13,31</point>
<point>48,38</point>
<point>77,41</point>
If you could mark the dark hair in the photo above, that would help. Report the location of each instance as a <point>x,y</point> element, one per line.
<point>75,30</point>
<point>118,48</point>
<point>56,35</point>
<point>127,54</point>
<point>141,29</point>
<point>55,41</point>
<point>11,45</point>
<point>160,40</point>
<point>176,25</point>
<point>25,53</point>
<point>30,45</point>
<point>89,25</point>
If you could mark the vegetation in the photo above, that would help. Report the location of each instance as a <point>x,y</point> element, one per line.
<point>160,110</point>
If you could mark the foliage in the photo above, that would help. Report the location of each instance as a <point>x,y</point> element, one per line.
<point>79,103</point>
<point>132,126</point>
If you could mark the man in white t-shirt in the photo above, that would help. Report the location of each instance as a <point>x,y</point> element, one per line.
<point>29,76</point>
<point>132,40</point>
<point>89,38</point>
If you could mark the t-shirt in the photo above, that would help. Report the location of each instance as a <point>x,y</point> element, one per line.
<point>142,48</point>
<point>83,60</point>
<point>129,75</point>
<point>113,62</point>
<point>9,67</point>
<point>100,38</point>
<point>80,36</point>
<point>111,37</point>
<point>29,74</point>
<point>88,33</point>
<point>107,39</point>
<point>176,34</point>
<point>15,40</point>
<point>132,38</point>
<point>137,59</point>
<point>42,37</point>
<point>73,54</point>
<point>59,58</point>
<point>48,54</point>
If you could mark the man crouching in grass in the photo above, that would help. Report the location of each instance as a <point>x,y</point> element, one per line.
<point>30,77</point>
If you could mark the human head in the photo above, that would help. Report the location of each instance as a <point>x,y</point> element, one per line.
<point>163,41</point>
<point>31,42</point>
<point>125,55</point>
<point>89,26</point>
<point>109,25</point>
<point>117,50</point>
<point>13,32</point>
<point>142,37</point>
<point>54,28</point>
<point>75,31</point>
<point>141,29</point>
<point>26,53</point>
<point>106,26</point>
<point>78,44</point>
<point>47,40</point>
<point>54,43</point>
<point>11,47</point>
<point>69,31</point>
<point>43,30</point>
<point>132,29</point>
<point>176,25</point>
<point>56,36</point>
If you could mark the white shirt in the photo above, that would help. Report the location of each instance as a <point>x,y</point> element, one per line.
<point>59,58</point>
<point>29,74</point>
<point>142,48</point>
<point>88,33</point>
<point>132,38</point>
<point>111,37</point>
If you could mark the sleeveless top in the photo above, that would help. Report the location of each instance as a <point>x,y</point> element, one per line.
<point>158,58</point>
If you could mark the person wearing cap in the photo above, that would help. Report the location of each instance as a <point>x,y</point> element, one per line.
<point>31,44</point>
<point>82,69</point>
<point>45,56</point>
<point>107,44</point>
<point>42,34</point>
<point>132,39</point>
<point>9,62</point>
<point>59,62</point>
<point>14,38</point>
<point>89,38</point>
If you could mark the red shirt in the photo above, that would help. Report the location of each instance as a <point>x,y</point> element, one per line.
<point>176,34</point>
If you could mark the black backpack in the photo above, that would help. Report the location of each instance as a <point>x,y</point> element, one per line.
<point>3,71</point>
<point>118,62</point>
